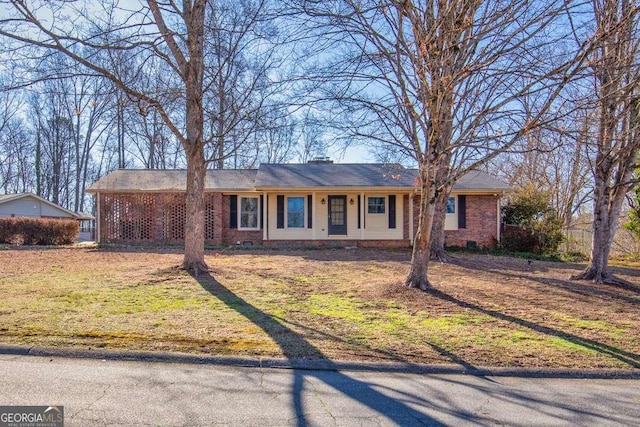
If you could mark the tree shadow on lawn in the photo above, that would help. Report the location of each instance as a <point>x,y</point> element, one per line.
<point>310,253</point>
<point>398,409</point>
<point>580,287</point>
<point>506,262</point>
<point>518,268</point>
<point>294,346</point>
<point>629,358</point>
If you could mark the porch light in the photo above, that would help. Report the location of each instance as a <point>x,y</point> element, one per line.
<point>323,201</point>
<point>351,202</point>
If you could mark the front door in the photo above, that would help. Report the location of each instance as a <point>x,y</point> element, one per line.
<point>338,215</point>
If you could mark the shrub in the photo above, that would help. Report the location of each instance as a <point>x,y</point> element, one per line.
<point>38,231</point>
<point>533,226</point>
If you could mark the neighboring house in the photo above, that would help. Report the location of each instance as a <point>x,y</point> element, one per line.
<point>318,203</point>
<point>32,206</point>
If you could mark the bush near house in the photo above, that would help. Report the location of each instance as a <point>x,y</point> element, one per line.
<point>38,231</point>
<point>532,225</point>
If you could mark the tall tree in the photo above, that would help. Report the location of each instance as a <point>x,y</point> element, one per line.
<point>615,70</point>
<point>15,143</point>
<point>100,34</point>
<point>555,159</point>
<point>243,53</point>
<point>444,81</point>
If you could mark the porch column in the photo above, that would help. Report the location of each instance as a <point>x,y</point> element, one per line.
<point>363,203</point>
<point>314,215</point>
<point>265,217</point>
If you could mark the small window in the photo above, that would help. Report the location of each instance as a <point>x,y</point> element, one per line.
<point>295,212</point>
<point>376,205</point>
<point>451,205</point>
<point>249,212</point>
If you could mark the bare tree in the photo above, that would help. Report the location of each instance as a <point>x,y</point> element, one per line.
<point>99,35</point>
<point>243,51</point>
<point>16,153</point>
<point>15,144</point>
<point>276,138</point>
<point>444,81</point>
<point>556,160</point>
<point>310,137</point>
<point>616,77</point>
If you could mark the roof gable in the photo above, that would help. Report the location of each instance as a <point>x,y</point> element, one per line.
<point>8,198</point>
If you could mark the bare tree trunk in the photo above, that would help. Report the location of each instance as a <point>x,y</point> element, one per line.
<point>438,252</point>
<point>38,161</point>
<point>194,229</point>
<point>606,213</point>
<point>598,269</point>
<point>193,70</point>
<point>418,275</point>
<point>618,140</point>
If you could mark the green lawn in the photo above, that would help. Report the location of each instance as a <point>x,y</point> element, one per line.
<point>337,304</point>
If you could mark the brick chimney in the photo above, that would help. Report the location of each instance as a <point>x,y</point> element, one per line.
<point>320,160</point>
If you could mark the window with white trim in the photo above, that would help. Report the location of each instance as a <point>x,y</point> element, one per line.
<point>295,212</point>
<point>451,205</point>
<point>376,205</point>
<point>249,212</point>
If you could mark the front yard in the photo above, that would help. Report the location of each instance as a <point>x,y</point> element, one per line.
<point>337,304</point>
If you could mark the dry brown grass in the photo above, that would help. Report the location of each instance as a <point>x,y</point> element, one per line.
<point>338,304</point>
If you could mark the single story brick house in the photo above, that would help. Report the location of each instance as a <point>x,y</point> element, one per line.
<point>317,203</point>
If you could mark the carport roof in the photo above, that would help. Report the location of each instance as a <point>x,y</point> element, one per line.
<point>161,180</point>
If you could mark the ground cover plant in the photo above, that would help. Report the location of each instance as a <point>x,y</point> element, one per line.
<point>339,304</point>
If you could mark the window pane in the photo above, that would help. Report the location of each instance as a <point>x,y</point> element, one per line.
<point>248,212</point>
<point>337,211</point>
<point>295,212</point>
<point>376,205</point>
<point>451,205</point>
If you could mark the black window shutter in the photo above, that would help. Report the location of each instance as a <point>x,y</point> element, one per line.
<point>233,211</point>
<point>309,211</point>
<point>392,211</point>
<point>462,211</point>
<point>280,211</point>
<point>261,212</point>
<point>359,211</point>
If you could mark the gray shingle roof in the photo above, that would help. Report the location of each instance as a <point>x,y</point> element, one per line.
<point>287,176</point>
<point>172,180</point>
<point>5,198</point>
<point>311,175</point>
<point>478,180</point>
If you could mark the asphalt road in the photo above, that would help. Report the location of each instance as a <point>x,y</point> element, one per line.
<point>118,393</point>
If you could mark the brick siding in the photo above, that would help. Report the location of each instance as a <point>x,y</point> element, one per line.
<point>231,236</point>
<point>482,223</point>
<point>160,218</point>
<point>154,218</point>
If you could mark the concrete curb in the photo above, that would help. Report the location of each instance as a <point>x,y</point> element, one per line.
<point>321,364</point>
